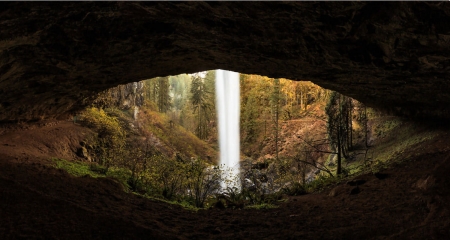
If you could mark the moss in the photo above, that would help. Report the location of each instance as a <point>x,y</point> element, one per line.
<point>405,140</point>
<point>77,169</point>
<point>261,206</point>
<point>80,169</point>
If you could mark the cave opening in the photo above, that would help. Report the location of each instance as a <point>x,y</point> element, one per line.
<point>393,57</point>
<point>293,135</point>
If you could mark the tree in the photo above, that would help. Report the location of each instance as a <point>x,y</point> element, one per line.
<point>151,92</point>
<point>249,110</point>
<point>157,90</point>
<point>338,111</point>
<point>164,99</point>
<point>275,100</point>
<point>362,119</point>
<point>201,105</point>
<point>249,120</point>
<point>210,87</point>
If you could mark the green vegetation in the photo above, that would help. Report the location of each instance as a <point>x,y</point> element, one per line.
<point>262,206</point>
<point>185,184</point>
<point>175,136</point>
<point>119,151</point>
<point>80,169</point>
<point>109,144</point>
<point>202,99</point>
<point>191,185</point>
<point>154,155</point>
<point>166,151</point>
<point>275,100</point>
<point>247,198</point>
<point>77,169</point>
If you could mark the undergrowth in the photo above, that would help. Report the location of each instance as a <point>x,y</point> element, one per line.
<point>262,206</point>
<point>80,169</point>
<point>230,199</point>
<point>77,169</point>
<point>195,184</point>
<point>174,135</point>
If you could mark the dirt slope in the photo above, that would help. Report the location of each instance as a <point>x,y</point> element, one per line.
<point>410,201</point>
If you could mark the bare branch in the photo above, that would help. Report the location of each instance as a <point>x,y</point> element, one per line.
<point>321,169</point>
<point>315,147</point>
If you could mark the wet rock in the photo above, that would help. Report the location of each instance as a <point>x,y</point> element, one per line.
<point>338,190</point>
<point>83,153</point>
<point>293,170</point>
<point>260,165</point>
<point>356,182</point>
<point>355,190</point>
<point>381,176</point>
<point>332,193</point>
<point>219,205</point>
<point>246,164</point>
<point>271,170</point>
<point>425,183</point>
<point>217,230</point>
<point>249,185</point>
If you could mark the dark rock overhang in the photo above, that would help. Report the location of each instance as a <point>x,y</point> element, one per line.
<point>54,56</point>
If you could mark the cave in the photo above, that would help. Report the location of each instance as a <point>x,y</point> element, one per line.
<point>55,57</point>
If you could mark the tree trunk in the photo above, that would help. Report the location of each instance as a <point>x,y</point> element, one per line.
<point>304,169</point>
<point>365,126</point>
<point>265,128</point>
<point>339,152</point>
<point>301,99</point>
<point>276,131</point>
<point>351,127</point>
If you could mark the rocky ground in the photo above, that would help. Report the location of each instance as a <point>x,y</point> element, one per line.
<point>410,200</point>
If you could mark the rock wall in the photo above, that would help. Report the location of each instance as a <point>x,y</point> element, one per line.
<point>123,96</point>
<point>55,55</point>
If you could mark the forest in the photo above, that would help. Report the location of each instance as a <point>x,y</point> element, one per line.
<point>159,137</point>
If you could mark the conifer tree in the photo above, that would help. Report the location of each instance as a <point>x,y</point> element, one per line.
<point>164,100</point>
<point>275,104</point>
<point>200,100</point>
<point>339,125</point>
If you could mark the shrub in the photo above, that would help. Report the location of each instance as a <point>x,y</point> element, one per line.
<point>109,144</point>
<point>295,189</point>
<point>94,167</point>
<point>202,181</point>
<point>77,169</point>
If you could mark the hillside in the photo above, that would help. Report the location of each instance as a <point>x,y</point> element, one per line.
<point>172,137</point>
<point>310,125</point>
<point>156,130</point>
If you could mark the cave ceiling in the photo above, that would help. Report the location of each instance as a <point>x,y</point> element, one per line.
<point>54,56</point>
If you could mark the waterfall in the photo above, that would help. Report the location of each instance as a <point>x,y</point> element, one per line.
<point>136,111</point>
<point>228,112</point>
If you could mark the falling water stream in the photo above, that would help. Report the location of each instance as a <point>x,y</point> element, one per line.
<point>228,111</point>
<point>136,111</point>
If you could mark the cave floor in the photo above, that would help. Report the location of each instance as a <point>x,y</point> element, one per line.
<point>38,201</point>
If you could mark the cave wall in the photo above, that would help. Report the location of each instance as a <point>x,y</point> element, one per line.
<point>54,56</point>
